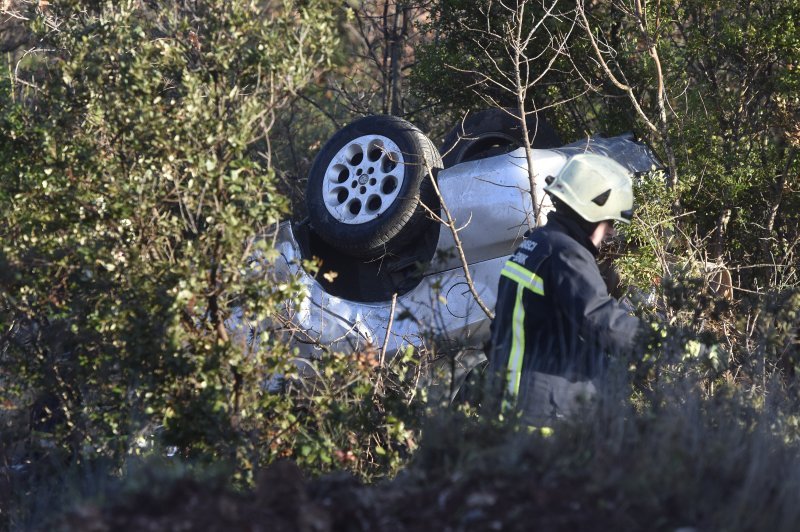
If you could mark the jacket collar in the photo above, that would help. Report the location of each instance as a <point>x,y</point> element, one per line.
<point>572,228</point>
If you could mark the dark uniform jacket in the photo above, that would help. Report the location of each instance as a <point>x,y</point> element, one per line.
<point>553,313</point>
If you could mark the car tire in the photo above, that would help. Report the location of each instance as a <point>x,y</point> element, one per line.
<point>492,132</point>
<point>370,184</point>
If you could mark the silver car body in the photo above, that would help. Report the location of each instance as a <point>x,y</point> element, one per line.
<point>490,202</point>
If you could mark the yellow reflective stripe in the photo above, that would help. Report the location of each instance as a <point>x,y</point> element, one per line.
<point>523,277</point>
<point>526,280</point>
<point>517,344</point>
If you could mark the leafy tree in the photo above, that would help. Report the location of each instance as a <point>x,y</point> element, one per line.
<point>135,155</point>
<point>738,127</point>
<point>712,86</point>
<point>720,83</point>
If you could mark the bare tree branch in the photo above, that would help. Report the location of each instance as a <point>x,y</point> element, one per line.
<point>450,222</point>
<point>659,128</point>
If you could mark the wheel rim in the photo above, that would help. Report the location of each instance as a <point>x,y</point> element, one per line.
<point>363,179</point>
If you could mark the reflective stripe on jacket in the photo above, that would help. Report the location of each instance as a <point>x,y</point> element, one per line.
<point>553,313</point>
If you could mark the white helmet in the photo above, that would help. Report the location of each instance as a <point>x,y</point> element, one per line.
<point>594,186</point>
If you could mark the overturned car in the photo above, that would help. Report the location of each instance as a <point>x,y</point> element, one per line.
<point>391,274</point>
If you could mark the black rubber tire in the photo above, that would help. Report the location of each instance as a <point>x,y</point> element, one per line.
<point>405,218</point>
<point>492,132</point>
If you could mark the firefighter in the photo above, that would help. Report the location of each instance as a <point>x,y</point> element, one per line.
<point>555,323</point>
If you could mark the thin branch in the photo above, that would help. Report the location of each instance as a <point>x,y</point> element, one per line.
<point>382,359</point>
<point>450,223</point>
<point>604,65</point>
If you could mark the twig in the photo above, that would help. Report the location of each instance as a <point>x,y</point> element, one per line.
<point>388,331</point>
<point>450,223</point>
<point>382,357</point>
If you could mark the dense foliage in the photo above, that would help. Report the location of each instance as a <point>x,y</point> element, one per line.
<point>718,83</point>
<point>135,150</point>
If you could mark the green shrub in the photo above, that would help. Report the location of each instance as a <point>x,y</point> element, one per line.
<point>136,180</point>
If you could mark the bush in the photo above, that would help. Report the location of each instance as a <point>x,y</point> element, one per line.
<point>137,183</point>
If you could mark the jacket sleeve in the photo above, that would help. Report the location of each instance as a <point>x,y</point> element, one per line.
<point>581,293</point>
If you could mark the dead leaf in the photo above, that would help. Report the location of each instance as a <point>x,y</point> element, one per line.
<point>194,40</point>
